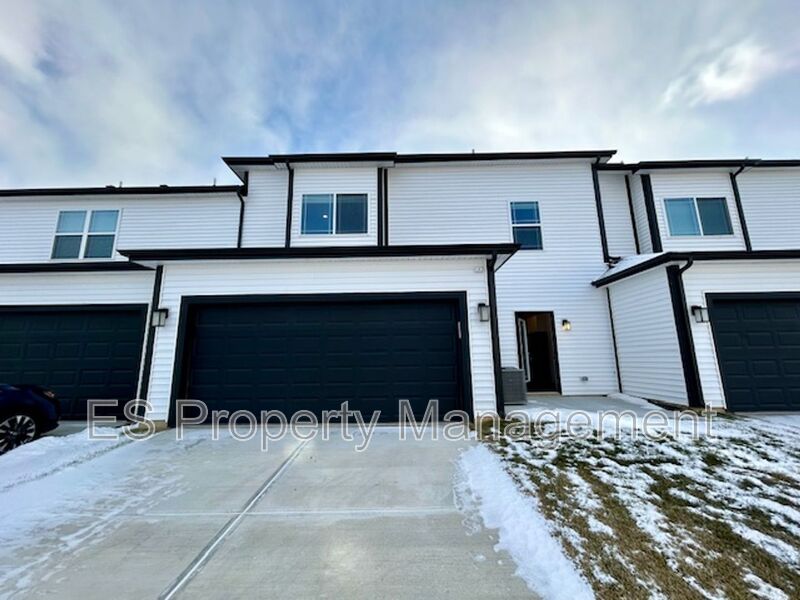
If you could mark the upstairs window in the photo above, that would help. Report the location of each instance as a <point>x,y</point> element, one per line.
<point>698,216</point>
<point>526,225</point>
<point>326,214</point>
<point>85,234</point>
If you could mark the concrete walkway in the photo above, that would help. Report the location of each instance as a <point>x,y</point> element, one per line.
<point>204,519</point>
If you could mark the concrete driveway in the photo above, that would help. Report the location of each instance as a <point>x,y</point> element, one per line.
<point>202,518</point>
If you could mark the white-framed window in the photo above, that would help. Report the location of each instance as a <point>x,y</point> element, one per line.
<point>328,214</point>
<point>526,225</point>
<point>85,234</point>
<point>698,216</point>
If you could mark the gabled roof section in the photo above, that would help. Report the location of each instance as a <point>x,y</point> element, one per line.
<point>122,191</point>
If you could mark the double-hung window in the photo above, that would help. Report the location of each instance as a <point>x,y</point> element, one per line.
<point>85,234</point>
<point>698,216</point>
<point>526,225</point>
<point>326,214</point>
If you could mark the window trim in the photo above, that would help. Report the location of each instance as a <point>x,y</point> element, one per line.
<point>85,233</point>
<point>334,215</point>
<point>512,225</point>
<point>702,233</point>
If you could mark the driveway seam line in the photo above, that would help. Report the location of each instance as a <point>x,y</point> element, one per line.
<point>207,552</point>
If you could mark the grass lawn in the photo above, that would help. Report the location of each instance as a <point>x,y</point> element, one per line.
<point>682,517</point>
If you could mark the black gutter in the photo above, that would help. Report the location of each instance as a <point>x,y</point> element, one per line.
<point>151,335</point>
<point>633,214</point>
<point>380,206</point>
<point>71,267</point>
<point>700,164</point>
<point>740,210</point>
<point>652,219</point>
<point>710,255</point>
<point>691,373</point>
<point>601,220</point>
<point>121,191</point>
<point>496,361</point>
<point>289,207</point>
<point>170,254</point>
<point>614,339</point>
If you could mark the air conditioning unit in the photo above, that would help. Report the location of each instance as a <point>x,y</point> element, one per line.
<point>514,387</point>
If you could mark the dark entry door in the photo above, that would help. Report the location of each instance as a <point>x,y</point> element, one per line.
<point>82,353</point>
<point>314,355</point>
<point>758,348</point>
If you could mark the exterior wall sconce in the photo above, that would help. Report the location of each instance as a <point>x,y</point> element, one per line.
<point>700,314</point>
<point>566,325</point>
<point>159,317</point>
<point>483,312</point>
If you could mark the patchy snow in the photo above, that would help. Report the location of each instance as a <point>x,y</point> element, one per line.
<point>523,531</point>
<point>629,262</point>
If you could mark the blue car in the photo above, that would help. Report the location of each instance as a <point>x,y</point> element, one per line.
<point>26,412</point>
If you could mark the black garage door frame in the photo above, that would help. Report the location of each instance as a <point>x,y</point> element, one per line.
<point>711,298</point>
<point>77,308</point>
<point>181,364</point>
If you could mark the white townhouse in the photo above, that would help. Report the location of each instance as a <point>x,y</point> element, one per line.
<point>374,277</point>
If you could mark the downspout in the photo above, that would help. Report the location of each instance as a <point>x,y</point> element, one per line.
<point>242,192</point>
<point>683,327</point>
<point>740,209</point>
<point>495,331</point>
<point>601,221</point>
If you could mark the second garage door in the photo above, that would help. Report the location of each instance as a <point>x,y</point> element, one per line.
<point>758,347</point>
<point>316,354</point>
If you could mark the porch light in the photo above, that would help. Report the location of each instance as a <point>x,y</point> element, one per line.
<point>700,314</point>
<point>483,311</point>
<point>566,325</point>
<point>159,317</point>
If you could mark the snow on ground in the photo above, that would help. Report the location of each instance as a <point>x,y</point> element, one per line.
<point>710,515</point>
<point>522,530</point>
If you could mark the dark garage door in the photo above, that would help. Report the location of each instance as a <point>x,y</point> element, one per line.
<point>758,347</point>
<point>315,355</point>
<point>81,353</point>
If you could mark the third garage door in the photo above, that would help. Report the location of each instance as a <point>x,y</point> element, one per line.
<point>758,348</point>
<point>317,354</point>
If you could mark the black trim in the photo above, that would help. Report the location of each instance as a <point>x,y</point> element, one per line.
<point>386,207</point>
<point>181,364</point>
<point>71,267</point>
<point>484,156</point>
<point>144,388</point>
<point>614,339</point>
<point>700,164</point>
<point>323,252</point>
<point>119,191</point>
<point>600,216</point>
<point>289,207</point>
<point>496,361</point>
<point>633,214</point>
<point>707,255</point>
<point>740,210</point>
<point>381,241</point>
<point>680,313</point>
<point>652,219</point>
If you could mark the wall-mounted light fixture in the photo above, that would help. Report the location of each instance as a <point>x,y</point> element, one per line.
<point>483,312</point>
<point>566,325</point>
<point>700,314</point>
<point>159,317</point>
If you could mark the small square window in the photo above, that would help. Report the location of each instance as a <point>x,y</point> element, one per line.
<point>77,238</point>
<point>714,216</point>
<point>681,216</point>
<point>525,221</point>
<point>528,237</point>
<point>67,246</point>
<point>317,215</point>
<point>103,221</point>
<point>99,246</point>
<point>351,213</point>
<point>698,216</point>
<point>71,221</point>
<point>523,213</point>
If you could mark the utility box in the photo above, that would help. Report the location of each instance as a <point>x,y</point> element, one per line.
<point>514,386</point>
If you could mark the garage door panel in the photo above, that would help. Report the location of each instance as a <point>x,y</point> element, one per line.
<point>315,354</point>
<point>758,347</point>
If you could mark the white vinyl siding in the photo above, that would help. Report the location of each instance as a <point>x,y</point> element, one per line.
<point>199,221</point>
<point>647,340</point>
<point>265,209</point>
<point>695,184</point>
<point>617,214</point>
<point>344,180</point>
<point>771,204</point>
<point>470,204</point>
<point>730,277</point>
<point>640,215</point>
<point>324,277</point>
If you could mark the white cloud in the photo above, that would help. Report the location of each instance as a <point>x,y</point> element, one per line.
<point>735,72</point>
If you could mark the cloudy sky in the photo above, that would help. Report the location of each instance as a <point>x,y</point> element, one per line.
<point>151,92</point>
